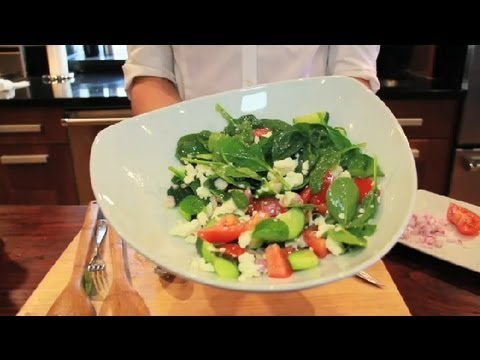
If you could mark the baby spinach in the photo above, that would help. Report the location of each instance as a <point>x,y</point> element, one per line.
<point>190,206</point>
<point>237,153</point>
<point>240,199</point>
<point>271,230</point>
<point>327,159</point>
<point>340,141</point>
<point>346,237</point>
<point>342,199</point>
<point>191,144</point>
<point>287,144</point>
<point>178,173</point>
<point>364,230</point>
<point>219,194</point>
<point>179,193</point>
<point>224,113</point>
<point>274,124</point>
<point>366,210</point>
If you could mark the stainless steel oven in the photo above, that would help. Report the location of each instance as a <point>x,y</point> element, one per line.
<point>83,126</point>
<point>465,180</point>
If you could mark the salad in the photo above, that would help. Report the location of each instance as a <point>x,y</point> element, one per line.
<point>264,197</point>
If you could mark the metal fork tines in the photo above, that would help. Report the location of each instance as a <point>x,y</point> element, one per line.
<point>96,262</point>
<point>369,278</point>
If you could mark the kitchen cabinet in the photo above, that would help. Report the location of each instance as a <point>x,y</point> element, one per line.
<point>35,160</point>
<point>430,126</point>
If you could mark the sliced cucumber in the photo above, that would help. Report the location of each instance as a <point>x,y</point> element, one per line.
<point>302,260</point>
<point>295,220</point>
<point>225,268</point>
<point>255,243</point>
<point>313,118</point>
<point>335,247</point>
<point>203,249</point>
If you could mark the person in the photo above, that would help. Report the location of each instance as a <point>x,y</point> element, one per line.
<point>162,75</point>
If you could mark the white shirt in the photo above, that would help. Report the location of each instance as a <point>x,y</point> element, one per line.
<point>199,70</point>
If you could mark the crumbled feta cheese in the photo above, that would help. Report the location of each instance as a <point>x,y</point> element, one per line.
<point>299,242</point>
<point>337,170</point>
<point>323,227</point>
<point>289,198</point>
<point>247,267</point>
<point>228,207</point>
<point>285,166</point>
<point>204,169</point>
<point>305,167</point>
<point>170,202</point>
<point>175,186</point>
<point>361,210</point>
<point>190,173</point>
<point>203,192</point>
<point>220,184</point>
<point>244,218</point>
<point>268,134</point>
<point>341,216</point>
<point>199,263</point>
<point>202,218</point>
<point>191,239</point>
<point>294,179</point>
<point>256,139</point>
<point>345,173</point>
<point>184,229</point>
<point>210,207</point>
<point>245,238</point>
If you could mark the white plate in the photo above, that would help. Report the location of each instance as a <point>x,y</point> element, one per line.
<point>130,177</point>
<point>466,254</point>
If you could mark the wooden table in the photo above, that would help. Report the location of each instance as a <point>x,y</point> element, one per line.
<point>35,236</point>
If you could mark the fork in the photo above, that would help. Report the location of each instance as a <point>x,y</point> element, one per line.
<point>96,262</point>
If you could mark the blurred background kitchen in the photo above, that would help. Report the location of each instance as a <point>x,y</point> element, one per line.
<point>47,125</point>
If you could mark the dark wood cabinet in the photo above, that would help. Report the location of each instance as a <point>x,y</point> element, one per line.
<point>35,160</point>
<point>430,128</point>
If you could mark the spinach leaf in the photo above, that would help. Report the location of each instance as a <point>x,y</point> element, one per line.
<point>190,206</point>
<point>327,159</point>
<point>271,230</point>
<point>360,165</point>
<point>340,141</point>
<point>179,193</point>
<point>346,237</point>
<point>219,194</point>
<point>287,143</point>
<point>180,174</point>
<point>240,199</point>
<point>275,124</point>
<point>224,113</point>
<point>189,145</point>
<point>237,153</point>
<point>367,209</point>
<point>342,199</point>
<point>213,139</point>
<point>364,230</point>
<point>235,172</point>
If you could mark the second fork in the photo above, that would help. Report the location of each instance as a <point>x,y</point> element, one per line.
<point>96,262</point>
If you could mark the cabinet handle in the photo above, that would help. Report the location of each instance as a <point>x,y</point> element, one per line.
<point>90,121</point>
<point>416,153</point>
<point>26,128</point>
<point>473,162</point>
<point>23,159</point>
<point>410,121</point>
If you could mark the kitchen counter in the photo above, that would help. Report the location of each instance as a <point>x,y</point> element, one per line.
<point>107,90</point>
<point>34,237</point>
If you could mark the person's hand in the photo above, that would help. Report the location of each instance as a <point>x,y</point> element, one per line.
<point>364,82</point>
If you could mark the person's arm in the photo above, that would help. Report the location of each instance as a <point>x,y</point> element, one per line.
<point>148,93</point>
<point>149,77</point>
<point>357,61</point>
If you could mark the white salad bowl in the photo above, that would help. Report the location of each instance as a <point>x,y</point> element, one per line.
<point>130,176</point>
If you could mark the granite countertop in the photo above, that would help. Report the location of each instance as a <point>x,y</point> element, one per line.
<point>85,90</point>
<point>107,90</point>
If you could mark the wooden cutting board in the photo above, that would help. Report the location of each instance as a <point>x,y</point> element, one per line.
<point>350,296</point>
